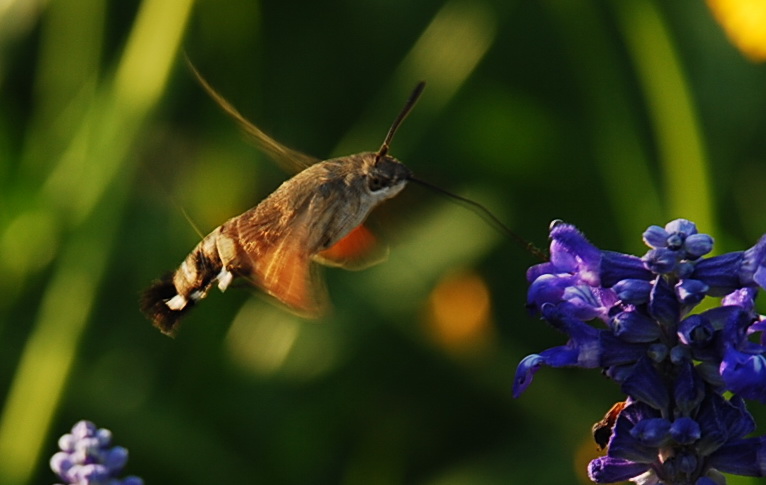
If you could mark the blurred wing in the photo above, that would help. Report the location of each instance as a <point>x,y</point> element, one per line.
<point>359,249</point>
<point>282,268</point>
<point>286,273</point>
<point>287,158</point>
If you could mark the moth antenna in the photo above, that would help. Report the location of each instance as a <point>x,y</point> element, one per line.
<point>402,115</point>
<point>488,216</point>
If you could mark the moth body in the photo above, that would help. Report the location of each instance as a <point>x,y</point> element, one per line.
<point>316,216</point>
<point>272,245</point>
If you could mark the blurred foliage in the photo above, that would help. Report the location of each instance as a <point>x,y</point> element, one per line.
<point>610,115</point>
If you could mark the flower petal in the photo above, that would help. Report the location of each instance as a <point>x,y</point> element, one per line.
<point>689,389</point>
<point>720,273</point>
<point>632,326</point>
<point>745,374</point>
<point>607,469</point>
<point>660,261</point>
<point>685,430</point>
<point>656,237</point>
<point>618,266</point>
<point>743,457</point>
<point>572,252</point>
<point>654,432</point>
<point>698,245</point>
<point>663,304</point>
<point>525,372</point>
<point>633,291</point>
<point>690,292</point>
<point>645,384</point>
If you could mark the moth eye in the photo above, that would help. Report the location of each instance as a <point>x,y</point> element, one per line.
<point>376,183</point>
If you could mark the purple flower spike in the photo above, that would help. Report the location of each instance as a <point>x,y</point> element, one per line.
<point>86,457</point>
<point>634,317</point>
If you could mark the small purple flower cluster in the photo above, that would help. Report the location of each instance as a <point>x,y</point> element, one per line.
<point>685,374</point>
<point>86,458</point>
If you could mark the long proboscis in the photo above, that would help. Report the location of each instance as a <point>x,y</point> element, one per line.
<point>402,115</point>
<point>488,216</point>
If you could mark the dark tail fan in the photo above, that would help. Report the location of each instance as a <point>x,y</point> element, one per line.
<point>153,305</point>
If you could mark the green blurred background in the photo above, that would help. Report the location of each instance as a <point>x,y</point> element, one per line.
<point>612,115</point>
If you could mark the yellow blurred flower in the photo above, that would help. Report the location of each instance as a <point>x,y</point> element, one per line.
<point>745,23</point>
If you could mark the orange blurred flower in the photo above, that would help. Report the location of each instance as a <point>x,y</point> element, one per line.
<point>459,312</point>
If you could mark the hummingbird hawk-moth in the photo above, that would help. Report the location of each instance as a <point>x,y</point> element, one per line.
<point>314,217</point>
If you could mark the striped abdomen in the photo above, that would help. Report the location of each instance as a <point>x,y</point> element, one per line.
<point>169,298</point>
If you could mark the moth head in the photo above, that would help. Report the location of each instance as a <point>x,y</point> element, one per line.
<point>385,176</point>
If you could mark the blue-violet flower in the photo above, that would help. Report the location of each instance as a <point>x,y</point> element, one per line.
<point>87,457</point>
<point>685,373</point>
